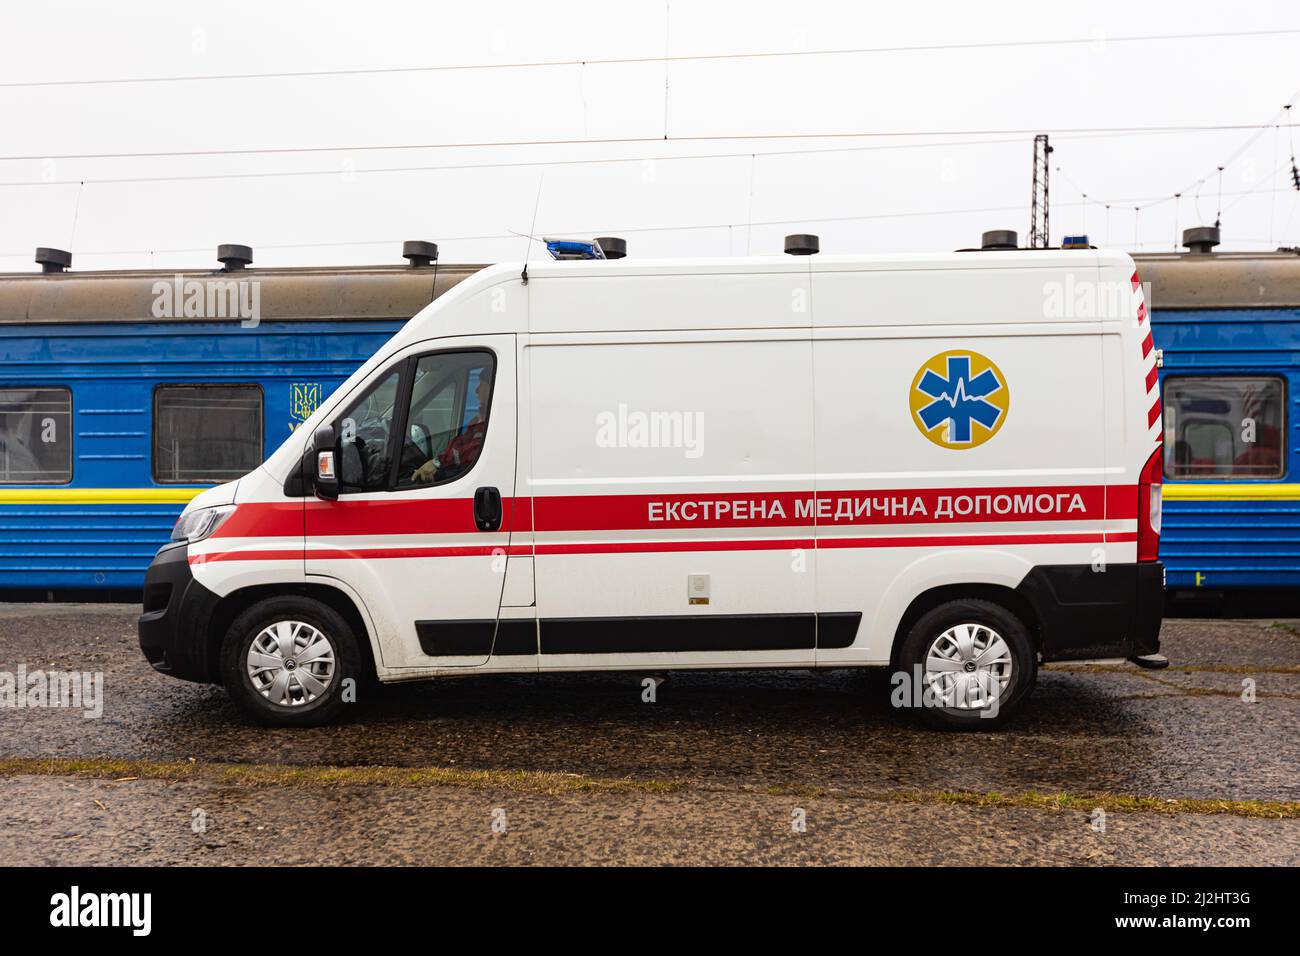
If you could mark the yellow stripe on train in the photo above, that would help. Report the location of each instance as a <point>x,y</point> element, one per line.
<point>162,496</point>
<point>1230,492</point>
<point>97,496</point>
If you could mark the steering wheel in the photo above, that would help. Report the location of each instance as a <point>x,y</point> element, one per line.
<point>428,439</point>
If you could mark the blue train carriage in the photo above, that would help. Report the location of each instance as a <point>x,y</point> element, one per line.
<point>123,394</point>
<point>1228,329</point>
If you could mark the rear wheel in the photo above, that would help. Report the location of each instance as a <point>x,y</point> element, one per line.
<point>969,664</point>
<point>288,662</point>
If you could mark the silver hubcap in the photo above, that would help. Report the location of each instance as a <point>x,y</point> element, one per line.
<point>290,663</point>
<point>968,667</point>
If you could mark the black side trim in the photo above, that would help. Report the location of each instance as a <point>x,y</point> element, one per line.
<point>475,638</point>
<point>639,635</point>
<point>837,629</point>
<point>515,638</point>
<point>1084,613</point>
<point>671,634</point>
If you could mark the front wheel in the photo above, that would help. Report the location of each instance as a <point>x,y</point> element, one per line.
<point>969,663</point>
<point>290,662</point>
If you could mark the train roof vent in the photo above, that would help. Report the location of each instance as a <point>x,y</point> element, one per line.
<point>419,254</point>
<point>1000,239</point>
<point>234,257</point>
<point>1201,240</point>
<point>802,244</point>
<point>53,260</point>
<point>612,247</point>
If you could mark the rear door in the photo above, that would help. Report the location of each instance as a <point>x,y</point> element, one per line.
<point>431,433</point>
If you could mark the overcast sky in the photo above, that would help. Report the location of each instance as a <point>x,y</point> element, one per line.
<point>901,193</point>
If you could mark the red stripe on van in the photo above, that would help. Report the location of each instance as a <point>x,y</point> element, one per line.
<point>641,512</point>
<point>1122,503</point>
<point>286,554</point>
<point>652,547</point>
<point>1153,376</point>
<point>363,517</point>
<point>1147,345</point>
<point>655,547</point>
<point>968,540</point>
<point>339,554</point>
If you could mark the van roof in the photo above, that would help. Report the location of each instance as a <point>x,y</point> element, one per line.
<point>1017,259</point>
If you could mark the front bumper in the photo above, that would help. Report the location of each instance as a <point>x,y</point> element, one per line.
<point>177,609</point>
<point>1087,614</point>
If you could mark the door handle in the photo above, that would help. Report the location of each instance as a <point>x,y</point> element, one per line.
<point>487,509</point>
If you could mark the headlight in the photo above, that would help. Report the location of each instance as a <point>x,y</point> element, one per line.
<point>196,525</point>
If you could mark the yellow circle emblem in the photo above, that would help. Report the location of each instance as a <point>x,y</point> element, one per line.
<point>959,399</point>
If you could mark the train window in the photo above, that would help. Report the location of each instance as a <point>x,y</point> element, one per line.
<point>1224,427</point>
<point>35,436</point>
<point>206,433</point>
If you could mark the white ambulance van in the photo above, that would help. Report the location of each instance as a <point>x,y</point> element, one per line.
<point>948,466</point>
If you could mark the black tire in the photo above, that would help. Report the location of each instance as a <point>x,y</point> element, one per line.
<point>319,709</point>
<point>931,625</point>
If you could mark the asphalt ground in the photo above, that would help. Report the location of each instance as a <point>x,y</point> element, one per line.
<point>1104,764</point>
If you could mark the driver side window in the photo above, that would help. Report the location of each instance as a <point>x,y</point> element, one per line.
<point>365,438</point>
<point>430,412</point>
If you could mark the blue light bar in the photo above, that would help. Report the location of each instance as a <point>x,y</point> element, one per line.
<point>1075,242</point>
<point>573,249</point>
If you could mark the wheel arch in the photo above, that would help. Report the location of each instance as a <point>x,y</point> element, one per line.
<point>998,594</point>
<point>236,602</point>
<point>989,574</point>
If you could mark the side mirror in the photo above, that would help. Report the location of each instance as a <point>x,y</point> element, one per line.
<point>325,476</point>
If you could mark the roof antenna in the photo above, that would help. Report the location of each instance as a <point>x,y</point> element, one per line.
<point>532,230</point>
<point>1218,212</point>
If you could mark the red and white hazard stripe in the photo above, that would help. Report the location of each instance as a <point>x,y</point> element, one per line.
<point>1150,367</point>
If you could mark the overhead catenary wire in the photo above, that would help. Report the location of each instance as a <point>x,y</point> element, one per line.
<point>334,171</point>
<point>519,164</point>
<point>666,58</point>
<point>1066,133</point>
<point>631,140</point>
<point>1279,119</point>
<point>592,230</point>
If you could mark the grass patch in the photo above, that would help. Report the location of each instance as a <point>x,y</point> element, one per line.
<point>538,782</point>
<point>1177,668</point>
<point>794,790</point>
<point>1211,691</point>
<point>1111,803</point>
<point>261,775</point>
